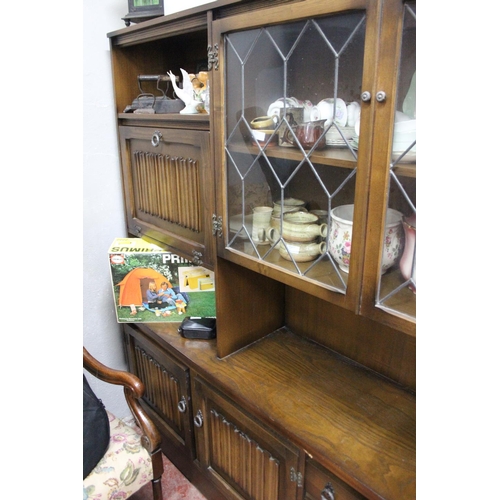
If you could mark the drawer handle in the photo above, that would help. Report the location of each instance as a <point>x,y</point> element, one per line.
<point>198,419</point>
<point>181,405</point>
<point>328,493</point>
<point>155,140</point>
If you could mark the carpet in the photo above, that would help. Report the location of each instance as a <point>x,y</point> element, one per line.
<point>174,486</point>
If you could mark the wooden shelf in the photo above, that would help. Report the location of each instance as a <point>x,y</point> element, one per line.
<point>406,170</point>
<point>173,120</point>
<point>336,157</point>
<point>332,156</point>
<point>322,273</point>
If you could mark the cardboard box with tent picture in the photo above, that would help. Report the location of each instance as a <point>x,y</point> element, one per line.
<point>152,286</point>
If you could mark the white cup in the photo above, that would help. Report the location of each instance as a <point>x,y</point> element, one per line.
<point>261,220</point>
<point>326,110</point>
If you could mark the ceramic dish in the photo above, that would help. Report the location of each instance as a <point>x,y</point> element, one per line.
<point>333,137</point>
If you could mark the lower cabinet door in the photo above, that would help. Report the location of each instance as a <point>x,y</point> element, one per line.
<point>167,389</point>
<point>323,485</point>
<point>243,459</point>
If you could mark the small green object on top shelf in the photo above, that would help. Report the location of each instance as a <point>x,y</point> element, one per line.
<point>142,10</point>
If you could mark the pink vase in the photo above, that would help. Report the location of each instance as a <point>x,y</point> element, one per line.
<point>408,262</point>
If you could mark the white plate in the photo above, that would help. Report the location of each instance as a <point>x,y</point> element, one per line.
<point>333,137</point>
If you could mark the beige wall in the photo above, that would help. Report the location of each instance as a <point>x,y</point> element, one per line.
<point>102,198</point>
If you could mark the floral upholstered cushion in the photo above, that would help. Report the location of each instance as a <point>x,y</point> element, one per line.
<point>125,467</point>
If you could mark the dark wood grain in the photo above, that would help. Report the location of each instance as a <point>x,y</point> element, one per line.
<point>354,423</point>
<point>374,345</point>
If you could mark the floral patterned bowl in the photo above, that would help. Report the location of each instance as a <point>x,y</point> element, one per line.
<point>339,243</point>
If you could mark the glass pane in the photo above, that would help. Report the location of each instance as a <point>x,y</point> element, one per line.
<point>397,290</point>
<point>291,145</point>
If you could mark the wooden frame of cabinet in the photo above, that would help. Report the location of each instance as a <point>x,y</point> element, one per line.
<point>345,356</point>
<point>384,122</point>
<point>371,178</point>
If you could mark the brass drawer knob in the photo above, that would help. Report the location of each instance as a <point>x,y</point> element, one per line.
<point>181,405</point>
<point>156,139</point>
<point>328,493</point>
<point>198,419</point>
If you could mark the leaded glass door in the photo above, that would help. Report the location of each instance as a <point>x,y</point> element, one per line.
<point>293,115</point>
<point>402,174</point>
<point>392,256</point>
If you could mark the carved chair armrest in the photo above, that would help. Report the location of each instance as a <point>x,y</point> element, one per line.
<point>134,389</point>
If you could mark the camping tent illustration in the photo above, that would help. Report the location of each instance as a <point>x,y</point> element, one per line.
<point>134,285</point>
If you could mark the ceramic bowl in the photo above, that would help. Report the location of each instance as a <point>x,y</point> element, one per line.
<point>297,226</point>
<point>339,243</point>
<point>289,205</point>
<point>321,214</point>
<point>301,251</point>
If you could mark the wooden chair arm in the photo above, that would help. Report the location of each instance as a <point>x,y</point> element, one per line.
<point>134,389</point>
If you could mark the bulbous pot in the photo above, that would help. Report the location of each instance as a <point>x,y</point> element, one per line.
<point>339,243</point>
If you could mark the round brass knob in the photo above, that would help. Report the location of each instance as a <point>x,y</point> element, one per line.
<point>155,140</point>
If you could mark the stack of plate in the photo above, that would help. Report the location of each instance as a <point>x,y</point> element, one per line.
<point>335,139</point>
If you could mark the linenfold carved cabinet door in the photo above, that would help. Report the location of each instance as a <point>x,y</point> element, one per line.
<point>241,457</point>
<point>167,389</point>
<point>169,189</point>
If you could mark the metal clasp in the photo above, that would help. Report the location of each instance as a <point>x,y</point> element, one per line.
<point>197,258</point>
<point>296,477</point>
<point>213,56</point>
<point>216,225</point>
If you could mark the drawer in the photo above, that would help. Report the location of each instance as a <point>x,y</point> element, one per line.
<point>323,485</point>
